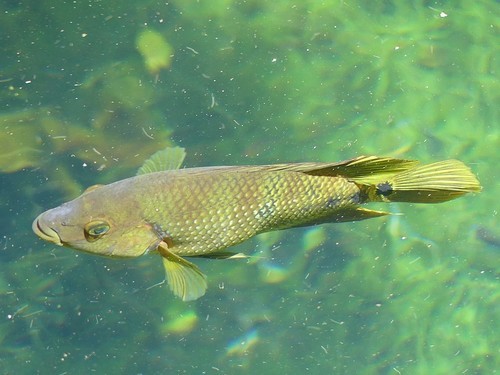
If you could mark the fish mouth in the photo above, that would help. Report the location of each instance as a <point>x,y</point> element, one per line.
<point>45,232</point>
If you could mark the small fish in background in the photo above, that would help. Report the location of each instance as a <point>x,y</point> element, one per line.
<point>200,212</point>
<point>488,236</point>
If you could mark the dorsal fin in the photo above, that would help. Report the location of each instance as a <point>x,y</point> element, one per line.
<point>164,160</point>
<point>363,169</point>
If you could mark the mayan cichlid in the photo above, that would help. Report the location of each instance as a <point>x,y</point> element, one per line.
<point>200,212</point>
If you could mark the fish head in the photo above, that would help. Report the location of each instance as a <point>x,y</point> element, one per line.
<point>105,221</point>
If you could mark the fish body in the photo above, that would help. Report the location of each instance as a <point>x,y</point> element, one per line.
<point>203,211</point>
<point>208,210</point>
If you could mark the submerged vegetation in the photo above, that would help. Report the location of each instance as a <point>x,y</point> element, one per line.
<point>91,89</point>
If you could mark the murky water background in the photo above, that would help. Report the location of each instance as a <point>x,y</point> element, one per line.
<point>90,89</point>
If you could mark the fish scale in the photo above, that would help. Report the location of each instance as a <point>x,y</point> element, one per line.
<point>200,216</point>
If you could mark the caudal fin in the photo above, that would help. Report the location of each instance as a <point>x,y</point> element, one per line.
<point>431,183</point>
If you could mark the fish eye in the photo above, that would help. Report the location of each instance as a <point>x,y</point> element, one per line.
<point>95,230</point>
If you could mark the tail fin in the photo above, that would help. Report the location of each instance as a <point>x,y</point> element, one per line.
<point>431,183</point>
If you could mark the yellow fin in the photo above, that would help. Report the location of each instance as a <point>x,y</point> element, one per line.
<point>363,169</point>
<point>164,160</point>
<point>224,255</point>
<point>358,213</point>
<point>184,279</point>
<point>431,183</point>
<point>345,214</point>
<point>373,169</point>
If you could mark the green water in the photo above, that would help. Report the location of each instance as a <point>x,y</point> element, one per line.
<point>84,100</point>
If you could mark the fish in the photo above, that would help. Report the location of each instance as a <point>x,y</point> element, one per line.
<point>201,212</point>
<point>488,236</point>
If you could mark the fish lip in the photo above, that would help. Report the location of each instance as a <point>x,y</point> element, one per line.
<point>45,232</point>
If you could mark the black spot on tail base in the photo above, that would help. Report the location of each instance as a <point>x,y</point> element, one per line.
<point>384,188</point>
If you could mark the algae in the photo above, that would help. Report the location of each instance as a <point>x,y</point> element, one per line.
<point>155,50</point>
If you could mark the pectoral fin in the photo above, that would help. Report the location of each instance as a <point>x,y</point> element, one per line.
<point>184,278</point>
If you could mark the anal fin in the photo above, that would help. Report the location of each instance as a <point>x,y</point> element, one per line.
<point>358,213</point>
<point>224,255</point>
<point>343,215</point>
<point>184,278</point>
